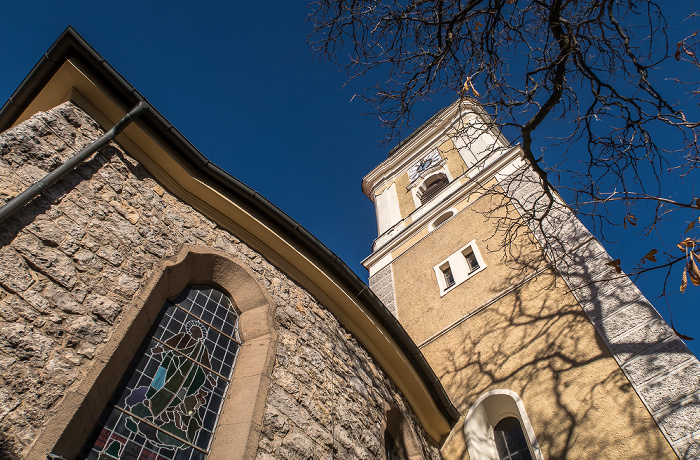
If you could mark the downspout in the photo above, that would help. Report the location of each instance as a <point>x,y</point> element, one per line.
<point>36,188</point>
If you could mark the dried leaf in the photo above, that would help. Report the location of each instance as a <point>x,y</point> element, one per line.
<point>476,93</point>
<point>651,255</point>
<point>684,280</point>
<point>697,204</point>
<point>694,273</point>
<point>678,51</point>
<point>468,85</point>
<point>690,226</point>
<point>478,25</point>
<point>629,218</point>
<point>682,336</point>
<point>615,264</point>
<point>686,243</point>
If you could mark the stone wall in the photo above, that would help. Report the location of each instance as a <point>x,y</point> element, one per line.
<point>328,399</point>
<point>72,261</point>
<point>382,283</point>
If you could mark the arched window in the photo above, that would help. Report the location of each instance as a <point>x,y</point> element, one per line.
<point>391,448</point>
<point>400,441</point>
<point>497,426</point>
<point>168,402</point>
<point>510,440</point>
<point>432,186</point>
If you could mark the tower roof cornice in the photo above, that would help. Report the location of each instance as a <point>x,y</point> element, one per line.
<point>422,140</point>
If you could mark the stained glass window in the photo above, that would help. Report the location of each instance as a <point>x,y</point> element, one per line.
<point>168,402</point>
<point>390,447</point>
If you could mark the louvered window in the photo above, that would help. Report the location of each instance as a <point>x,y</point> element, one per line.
<point>437,185</point>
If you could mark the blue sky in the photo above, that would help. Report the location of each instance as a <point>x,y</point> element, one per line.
<point>241,83</point>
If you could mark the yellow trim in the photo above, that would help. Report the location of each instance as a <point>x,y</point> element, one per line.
<point>71,82</point>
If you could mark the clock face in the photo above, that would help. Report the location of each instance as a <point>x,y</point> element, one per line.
<point>424,163</point>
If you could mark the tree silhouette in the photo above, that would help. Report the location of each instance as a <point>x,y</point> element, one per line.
<point>589,90</point>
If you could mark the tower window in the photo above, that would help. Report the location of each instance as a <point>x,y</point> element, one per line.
<point>472,261</point>
<point>449,278</point>
<point>510,440</point>
<point>432,186</point>
<point>459,267</point>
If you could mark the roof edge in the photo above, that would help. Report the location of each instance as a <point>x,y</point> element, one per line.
<point>70,45</point>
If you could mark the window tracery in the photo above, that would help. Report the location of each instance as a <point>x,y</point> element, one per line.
<point>169,400</point>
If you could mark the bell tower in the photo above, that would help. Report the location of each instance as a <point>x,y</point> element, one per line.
<point>431,246</point>
<point>532,335</point>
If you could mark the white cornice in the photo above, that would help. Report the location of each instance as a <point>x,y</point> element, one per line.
<point>425,138</point>
<point>484,176</point>
<point>420,142</point>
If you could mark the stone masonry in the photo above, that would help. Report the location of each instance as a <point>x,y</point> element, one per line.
<point>72,261</point>
<point>382,283</point>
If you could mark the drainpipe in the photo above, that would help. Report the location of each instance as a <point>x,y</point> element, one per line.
<point>36,188</point>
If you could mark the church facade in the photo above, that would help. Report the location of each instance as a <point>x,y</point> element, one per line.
<point>154,307</point>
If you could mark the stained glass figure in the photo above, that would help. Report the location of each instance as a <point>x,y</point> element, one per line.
<point>168,403</point>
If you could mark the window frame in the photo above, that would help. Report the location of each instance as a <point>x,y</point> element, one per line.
<point>517,432</point>
<point>447,275</point>
<point>417,185</point>
<point>459,266</point>
<point>240,422</point>
<point>173,308</point>
<point>488,410</point>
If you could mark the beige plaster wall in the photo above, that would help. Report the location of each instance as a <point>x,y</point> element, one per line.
<point>416,236</point>
<point>535,340</point>
<point>406,204</point>
<point>422,311</point>
<point>455,163</point>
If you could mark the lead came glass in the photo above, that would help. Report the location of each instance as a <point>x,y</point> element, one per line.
<point>168,402</point>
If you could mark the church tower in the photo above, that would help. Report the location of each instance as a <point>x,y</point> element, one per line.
<point>542,351</point>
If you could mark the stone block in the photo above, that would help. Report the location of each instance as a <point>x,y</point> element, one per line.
<point>637,340</point>
<point>62,299</point>
<point>611,302</point>
<point>626,318</point>
<point>657,361</point>
<point>86,328</point>
<point>670,388</point>
<point>103,307</point>
<point>682,419</point>
<point>49,261</point>
<point>15,275</point>
<point>25,343</point>
<point>564,231</point>
<point>690,448</point>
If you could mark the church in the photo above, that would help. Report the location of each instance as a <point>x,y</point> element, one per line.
<point>152,306</point>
